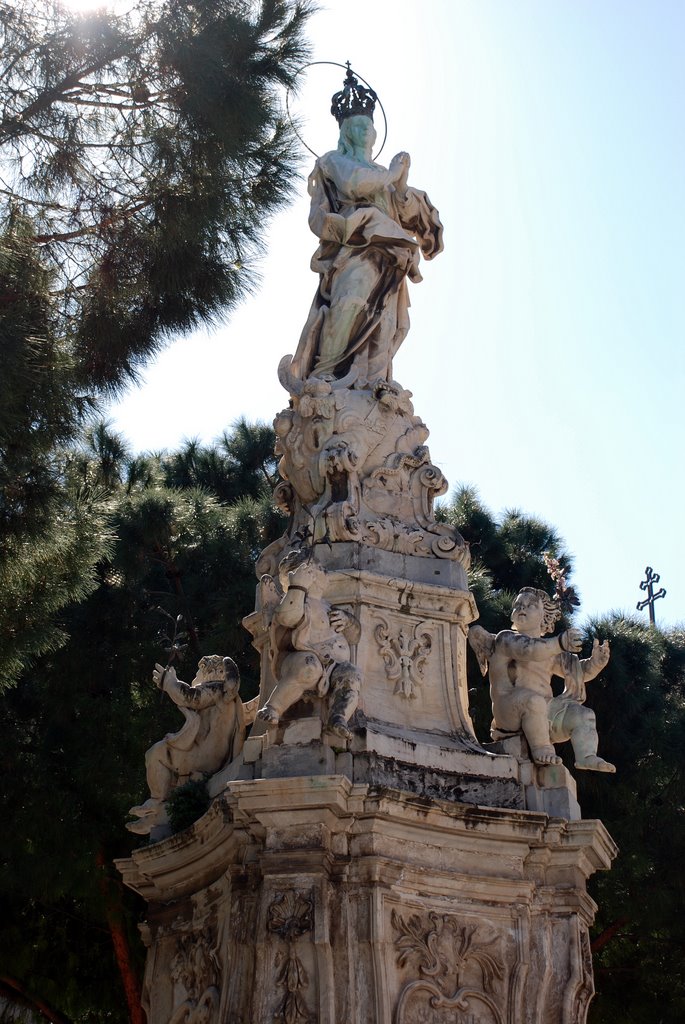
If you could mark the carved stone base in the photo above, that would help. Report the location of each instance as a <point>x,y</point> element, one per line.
<point>411,651</point>
<point>317,899</point>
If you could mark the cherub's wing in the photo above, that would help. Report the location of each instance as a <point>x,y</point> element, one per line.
<point>482,644</point>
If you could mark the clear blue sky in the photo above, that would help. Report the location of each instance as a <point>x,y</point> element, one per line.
<point>546,352</point>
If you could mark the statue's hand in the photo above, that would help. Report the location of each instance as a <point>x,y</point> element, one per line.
<point>399,166</point>
<point>600,654</point>
<point>338,619</point>
<point>571,640</point>
<point>301,576</point>
<point>161,675</point>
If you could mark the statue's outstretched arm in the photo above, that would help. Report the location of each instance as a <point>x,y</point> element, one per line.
<point>183,695</point>
<point>541,648</point>
<point>598,660</point>
<point>529,648</point>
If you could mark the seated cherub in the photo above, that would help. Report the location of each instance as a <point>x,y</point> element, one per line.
<point>521,664</point>
<point>211,736</point>
<point>310,649</point>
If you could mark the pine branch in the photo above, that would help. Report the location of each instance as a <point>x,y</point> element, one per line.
<point>13,989</point>
<point>92,229</point>
<point>17,124</point>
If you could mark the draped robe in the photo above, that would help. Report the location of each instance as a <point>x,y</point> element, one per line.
<point>371,238</point>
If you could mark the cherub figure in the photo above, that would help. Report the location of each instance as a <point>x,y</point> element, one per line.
<point>521,665</point>
<point>212,735</point>
<point>310,647</point>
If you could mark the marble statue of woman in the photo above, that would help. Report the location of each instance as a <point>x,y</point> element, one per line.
<point>372,228</point>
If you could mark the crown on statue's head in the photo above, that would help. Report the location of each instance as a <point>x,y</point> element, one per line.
<point>353,99</point>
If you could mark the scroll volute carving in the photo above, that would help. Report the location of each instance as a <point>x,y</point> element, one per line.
<point>457,967</point>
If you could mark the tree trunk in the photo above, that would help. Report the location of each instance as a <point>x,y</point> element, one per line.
<point>607,935</point>
<point>122,950</point>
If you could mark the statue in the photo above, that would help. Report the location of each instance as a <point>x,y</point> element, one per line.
<point>212,736</point>
<point>371,228</point>
<point>521,665</point>
<point>310,647</point>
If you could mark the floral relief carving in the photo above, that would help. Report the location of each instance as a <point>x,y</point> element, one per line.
<point>290,916</point>
<point>405,653</point>
<point>195,968</point>
<point>457,967</point>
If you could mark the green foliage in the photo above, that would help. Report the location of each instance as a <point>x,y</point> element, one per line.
<point>640,704</point>
<point>186,804</point>
<point>510,549</point>
<point>41,575</point>
<point>37,411</point>
<point>77,725</point>
<point>639,700</point>
<point>145,149</point>
<point>142,154</point>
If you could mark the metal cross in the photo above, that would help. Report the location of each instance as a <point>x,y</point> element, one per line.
<point>648,585</point>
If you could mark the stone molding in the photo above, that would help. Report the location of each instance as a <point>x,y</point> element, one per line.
<point>338,901</point>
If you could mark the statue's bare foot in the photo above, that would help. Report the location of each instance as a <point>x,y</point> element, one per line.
<point>140,826</point>
<point>545,755</point>
<point>146,816</point>
<point>338,726</point>
<point>594,763</point>
<point>151,806</point>
<point>269,715</point>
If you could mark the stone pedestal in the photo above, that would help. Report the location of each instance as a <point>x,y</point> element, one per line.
<point>403,874</point>
<point>320,899</point>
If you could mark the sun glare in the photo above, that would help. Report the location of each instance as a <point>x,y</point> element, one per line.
<point>86,6</point>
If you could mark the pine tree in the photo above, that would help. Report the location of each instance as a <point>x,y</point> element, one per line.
<point>145,150</point>
<point>49,543</point>
<point>78,723</point>
<point>639,699</point>
<point>141,155</point>
<point>639,937</point>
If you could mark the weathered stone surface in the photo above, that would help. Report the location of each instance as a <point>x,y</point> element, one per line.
<point>322,900</point>
<point>410,651</point>
<point>211,737</point>
<point>365,860</point>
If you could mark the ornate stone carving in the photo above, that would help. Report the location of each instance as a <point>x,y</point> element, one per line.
<point>290,916</point>
<point>457,968</point>
<point>586,987</point>
<point>195,971</point>
<point>310,646</point>
<point>449,879</point>
<point>356,468</point>
<point>521,665</point>
<point>213,734</point>
<point>405,653</point>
